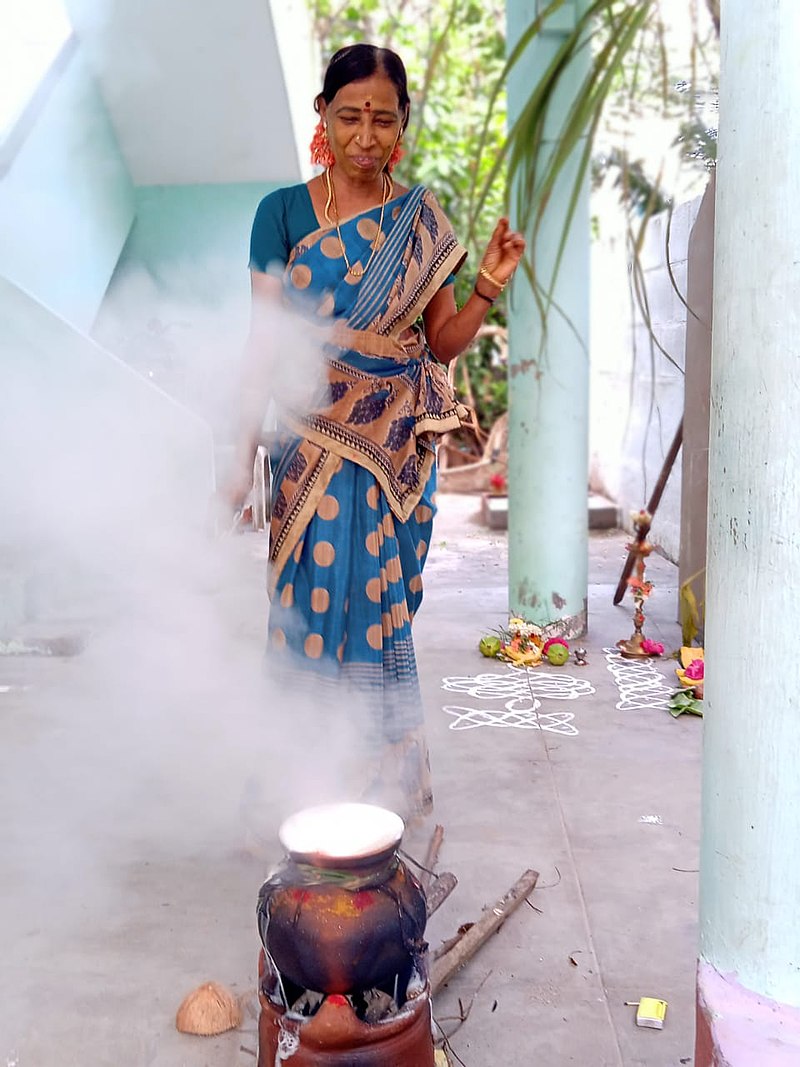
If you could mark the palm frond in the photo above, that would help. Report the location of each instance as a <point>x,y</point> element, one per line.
<point>534,153</point>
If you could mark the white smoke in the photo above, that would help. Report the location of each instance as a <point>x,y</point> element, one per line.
<point>165,738</point>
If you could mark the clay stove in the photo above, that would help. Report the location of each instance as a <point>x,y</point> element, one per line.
<point>343,979</point>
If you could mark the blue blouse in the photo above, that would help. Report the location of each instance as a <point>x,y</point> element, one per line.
<point>283,219</point>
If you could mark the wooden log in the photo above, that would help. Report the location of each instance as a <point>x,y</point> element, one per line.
<point>432,856</point>
<point>451,942</point>
<point>440,890</point>
<point>489,923</point>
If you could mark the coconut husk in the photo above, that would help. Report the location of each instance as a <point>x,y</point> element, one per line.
<point>210,1009</point>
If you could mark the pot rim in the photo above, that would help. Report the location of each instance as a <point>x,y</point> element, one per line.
<point>317,835</point>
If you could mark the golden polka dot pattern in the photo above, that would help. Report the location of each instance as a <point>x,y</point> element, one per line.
<point>394,570</point>
<point>287,596</point>
<point>298,552</point>
<point>368,228</point>
<point>372,543</point>
<point>386,624</point>
<point>388,524</point>
<point>324,553</point>
<point>320,600</point>
<point>373,590</point>
<point>399,614</point>
<point>415,583</point>
<point>278,639</point>
<point>422,548</point>
<point>373,496</point>
<point>330,247</point>
<point>301,276</point>
<point>313,646</point>
<point>327,305</point>
<point>375,636</point>
<point>328,507</point>
<point>423,513</point>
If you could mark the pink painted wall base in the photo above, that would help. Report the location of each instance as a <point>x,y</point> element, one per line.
<point>738,1028</point>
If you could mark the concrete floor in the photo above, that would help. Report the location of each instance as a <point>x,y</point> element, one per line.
<point>132,780</point>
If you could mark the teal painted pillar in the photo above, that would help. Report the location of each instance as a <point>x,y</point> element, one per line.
<point>749,973</point>
<point>548,373</point>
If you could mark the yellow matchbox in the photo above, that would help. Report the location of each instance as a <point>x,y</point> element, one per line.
<point>651,1012</point>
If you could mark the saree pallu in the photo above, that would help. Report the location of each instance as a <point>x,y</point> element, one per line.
<point>354,481</point>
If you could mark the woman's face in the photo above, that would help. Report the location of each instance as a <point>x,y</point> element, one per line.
<point>364,122</point>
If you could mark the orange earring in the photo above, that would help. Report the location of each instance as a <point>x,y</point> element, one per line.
<point>321,151</point>
<point>397,154</point>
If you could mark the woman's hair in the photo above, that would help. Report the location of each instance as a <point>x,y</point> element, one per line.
<point>359,61</point>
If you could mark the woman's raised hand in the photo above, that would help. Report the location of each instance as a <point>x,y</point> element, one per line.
<point>503,253</point>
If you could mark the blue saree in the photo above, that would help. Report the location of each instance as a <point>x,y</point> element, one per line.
<point>354,480</point>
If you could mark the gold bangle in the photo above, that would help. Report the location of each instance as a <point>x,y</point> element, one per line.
<point>491,278</point>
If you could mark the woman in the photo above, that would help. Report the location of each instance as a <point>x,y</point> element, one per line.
<point>354,479</point>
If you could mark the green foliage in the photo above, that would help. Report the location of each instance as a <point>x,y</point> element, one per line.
<point>684,702</point>
<point>533,154</point>
<point>691,613</point>
<point>656,83</point>
<point>699,141</point>
<point>489,381</point>
<point>637,191</point>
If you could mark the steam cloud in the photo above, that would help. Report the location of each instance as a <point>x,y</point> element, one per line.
<point>164,742</point>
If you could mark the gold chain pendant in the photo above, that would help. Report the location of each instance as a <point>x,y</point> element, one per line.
<point>356,270</point>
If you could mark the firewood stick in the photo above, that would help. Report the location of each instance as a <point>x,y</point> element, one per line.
<point>440,890</point>
<point>446,946</point>
<point>432,855</point>
<point>490,921</point>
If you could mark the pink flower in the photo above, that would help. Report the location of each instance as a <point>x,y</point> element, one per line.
<point>652,648</point>
<point>696,671</point>
<point>553,641</point>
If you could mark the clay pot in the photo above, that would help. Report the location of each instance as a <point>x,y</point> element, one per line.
<point>332,939</point>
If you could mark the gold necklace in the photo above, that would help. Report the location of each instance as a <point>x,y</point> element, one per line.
<point>357,271</point>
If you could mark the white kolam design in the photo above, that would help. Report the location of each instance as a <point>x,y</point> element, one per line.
<point>640,683</point>
<point>515,695</point>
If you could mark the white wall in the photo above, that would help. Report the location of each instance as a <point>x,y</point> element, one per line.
<point>66,201</point>
<point>200,92</point>
<point>178,306</point>
<point>637,393</point>
<point>95,462</point>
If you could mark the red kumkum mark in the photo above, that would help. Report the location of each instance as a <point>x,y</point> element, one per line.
<point>337,1000</point>
<point>300,896</point>
<point>362,900</point>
